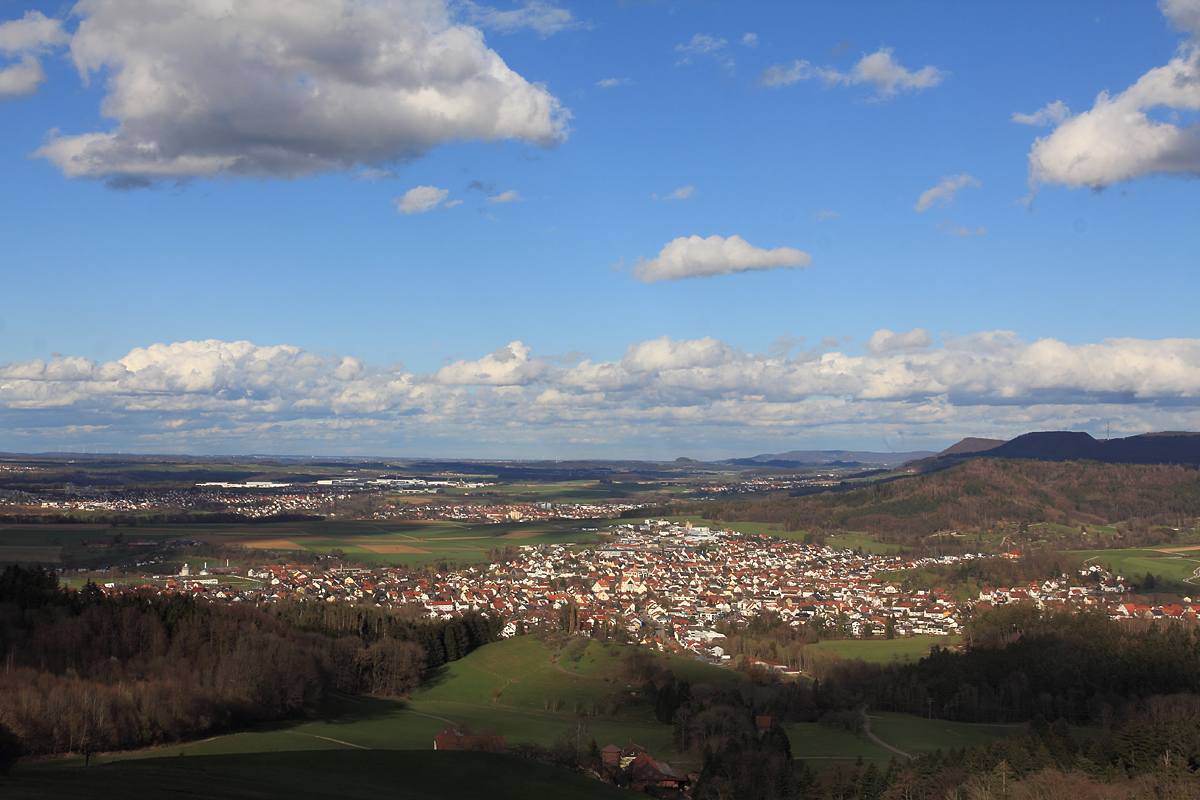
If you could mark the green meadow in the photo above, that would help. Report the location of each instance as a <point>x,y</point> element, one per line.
<point>1175,568</point>
<point>883,651</point>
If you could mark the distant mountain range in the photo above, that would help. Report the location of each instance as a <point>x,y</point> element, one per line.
<point>829,458</point>
<point>1167,447</point>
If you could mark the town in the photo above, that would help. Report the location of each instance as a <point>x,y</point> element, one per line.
<point>667,586</point>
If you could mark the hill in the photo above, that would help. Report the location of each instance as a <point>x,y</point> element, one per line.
<point>1154,448</point>
<point>839,458</point>
<point>971,445</point>
<point>975,495</point>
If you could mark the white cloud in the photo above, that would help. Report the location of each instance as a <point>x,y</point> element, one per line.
<point>949,228</point>
<point>544,18</point>
<point>943,193</point>
<point>786,74</point>
<point>609,83</point>
<point>1115,140</point>
<point>22,78</point>
<point>822,214</point>
<point>506,366</point>
<point>705,45</point>
<point>1052,114</point>
<point>33,33</point>
<point>693,256</point>
<point>269,88</point>
<point>504,197</point>
<point>884,341</point>
<point>750,40</point>
<point>682,193</point>
<point>214,396</point>
<point>878,69</point>
<point>701,44</point>
<point>453,203</point>
<point>24,39</point>
<point>420,199</point>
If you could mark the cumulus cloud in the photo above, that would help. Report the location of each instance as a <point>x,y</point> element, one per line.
<point>544,18</point>
<point>271,89</point>
<point>24,39</point>
<point>510,196</point>
<point>750,40</point>
<point>609,83</point>
<point>215,396</point>
<point>884,341</point>
<point>506,366</point>
<point>1116,140</point>
<point>682,193</point>
<point>878,69</point>
<point>943,193</point>
<point>420,199</point>
<point>694,256</point>
<point>1052,114</point>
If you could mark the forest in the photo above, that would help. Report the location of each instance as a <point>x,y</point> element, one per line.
<point>86,672</point>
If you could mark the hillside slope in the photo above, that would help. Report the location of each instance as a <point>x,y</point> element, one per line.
<point>976,494</point>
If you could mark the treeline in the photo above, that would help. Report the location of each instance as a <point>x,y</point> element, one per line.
<point>1020,663</point>
<point>441,640</point>
<point>85,672</point>
<point>976,494</point>
<point>1017,663</point>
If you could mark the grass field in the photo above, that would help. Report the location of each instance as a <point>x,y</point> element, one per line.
<point>915,735</point>
<point>350,773</point>
<point>1176,568</point>
<point>883,651</point>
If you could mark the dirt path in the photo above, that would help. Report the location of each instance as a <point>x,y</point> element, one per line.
<point>326,738</point>
<point>876,739</point>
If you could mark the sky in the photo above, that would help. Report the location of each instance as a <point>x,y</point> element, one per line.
<point>566,230</point>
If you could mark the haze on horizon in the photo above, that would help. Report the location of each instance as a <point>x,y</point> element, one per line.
<point>566,230</point>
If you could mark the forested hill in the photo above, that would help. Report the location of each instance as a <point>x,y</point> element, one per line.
<point>1169,447</point>
<point>979,492</point>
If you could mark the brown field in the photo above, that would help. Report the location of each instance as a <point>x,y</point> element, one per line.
<point>13,552</point>
<point>392,548</point>
<point>269,544</point>
<point>520,535</point>
<point>1176,549</point>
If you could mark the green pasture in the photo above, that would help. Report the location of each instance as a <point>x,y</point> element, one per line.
<point>916,735</point>
<point>813,740</point>
<point>521,673</point>
<point>350,773</point>
<point>1176,569</point>
<point>885,651</point>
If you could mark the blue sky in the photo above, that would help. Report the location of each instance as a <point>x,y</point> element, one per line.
<point>204,244</point>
